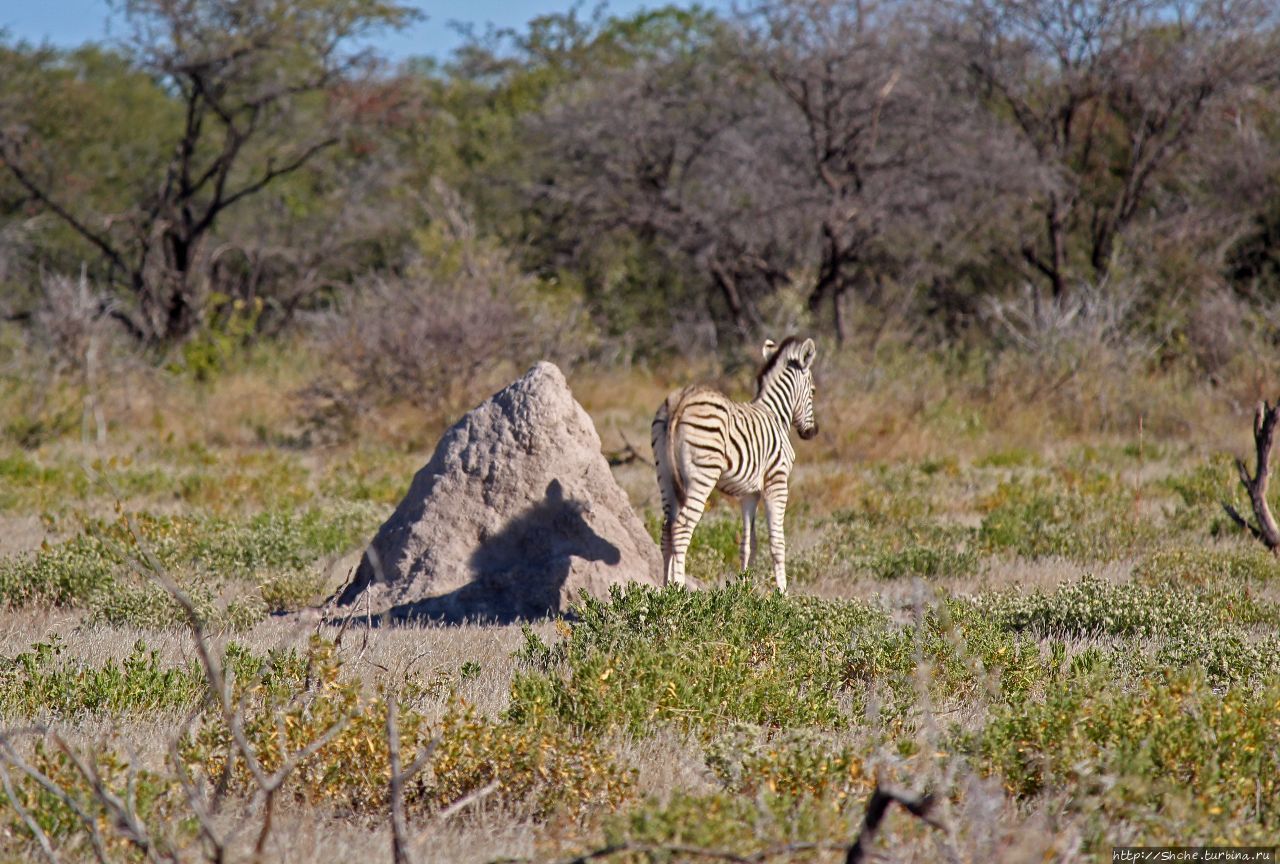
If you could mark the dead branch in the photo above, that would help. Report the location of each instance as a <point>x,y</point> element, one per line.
<point>627,454</point>
<point>11,755</point>
<point>123,813</point>
<point>32,825</point>
<point>919,806</point>
<point>195,797</point>
<point>268,785</point>
<point>400,850</point>
<point>470,798</point>
<point>1264,427</point>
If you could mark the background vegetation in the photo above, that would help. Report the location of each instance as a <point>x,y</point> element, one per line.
<point>249,273</point>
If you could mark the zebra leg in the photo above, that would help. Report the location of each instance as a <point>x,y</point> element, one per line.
<point>749,503</point>
<point>775,504</point>
<point>666,486</point>
<point>682,531</point>
<point>669,511</point>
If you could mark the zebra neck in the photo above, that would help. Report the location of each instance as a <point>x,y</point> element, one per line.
<point>776,398</point>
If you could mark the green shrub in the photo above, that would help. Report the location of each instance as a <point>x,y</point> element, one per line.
<point>1226,656</point>
<point>290,591</point>
<point>98,567</point>
<point>378,476</point>
<point>153,796</point>
<point>715,549</point>
<point>227,482</point>
<point>792,766</point>
<point>721,820</point>
<point>1200,492</point>
<point>1094,607</point>
<point>25,484</point>
<point>1014,457</point>
<point>731,822</point>
<point>1172,755</point>
<point>548,765</point>
<point>924,561</point>
<point>955,653</point>
<point>279,539</point>
<point>149,607</point>
<point>69,573</point>
<point>1096,521</point>
<point>1200,566</point>
<point>38,682</point>
<point>695,659</point>
<point>856,543</point>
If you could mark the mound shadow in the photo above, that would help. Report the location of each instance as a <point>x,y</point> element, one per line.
<point>518,573</point>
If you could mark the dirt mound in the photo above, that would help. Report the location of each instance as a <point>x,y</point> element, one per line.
<point>515,514</point>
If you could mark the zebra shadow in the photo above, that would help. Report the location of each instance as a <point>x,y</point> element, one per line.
<point>519,572</point>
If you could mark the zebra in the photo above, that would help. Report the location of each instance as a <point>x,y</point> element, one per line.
<point>702,441</point>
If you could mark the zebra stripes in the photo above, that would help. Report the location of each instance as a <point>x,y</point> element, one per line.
<point>702,440</point>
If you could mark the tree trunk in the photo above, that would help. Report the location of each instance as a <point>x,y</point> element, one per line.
<point>728,286</point>
<point>837,314</point>
<point>1057,246</point>
<point>829,282</point>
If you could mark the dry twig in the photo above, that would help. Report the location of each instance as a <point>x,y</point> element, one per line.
<point>919,806</point>
<point>1264,427</point>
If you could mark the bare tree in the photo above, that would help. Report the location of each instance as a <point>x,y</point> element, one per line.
<point>255,86</point>
<point>887,150</point>
<point>803,142</point>
<point>666,150</point>
<point>1109,94</point>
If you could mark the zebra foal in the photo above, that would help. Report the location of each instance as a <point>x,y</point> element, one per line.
<point>702,440</point>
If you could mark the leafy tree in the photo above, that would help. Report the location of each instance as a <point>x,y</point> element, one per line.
<point>88,123</point>
<point>257,89</point>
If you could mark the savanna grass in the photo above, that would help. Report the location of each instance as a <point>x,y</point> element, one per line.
<point>105,568</point>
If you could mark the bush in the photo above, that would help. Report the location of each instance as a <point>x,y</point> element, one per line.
<point>1204,567</point>
<point>1092,607</point>
<point>1172,755</point>
<point>889,547</point>
<point>695,659</point>
<point>1226,656</point>
<point>546,765</point>
<point>69,573</point>
<point>97,568</point>
<point>925,561</point>
<point>150,607</point>
<point>954,652</point>
<point>428,338</point>
<point>153,796</point>
<point>790,767</point>
<point>1200,492</point>
<point>1096,521</point>
<point>37,683</point>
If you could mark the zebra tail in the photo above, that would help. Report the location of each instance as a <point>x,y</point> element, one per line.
<point>673,418</point>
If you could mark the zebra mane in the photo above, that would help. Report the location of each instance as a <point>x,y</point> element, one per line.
<point>772,362</point>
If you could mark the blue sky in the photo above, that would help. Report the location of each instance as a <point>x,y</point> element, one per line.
<point>66,23</point>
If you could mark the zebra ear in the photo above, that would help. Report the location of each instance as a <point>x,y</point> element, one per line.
<point>769,347</point>
<point>808,351</point>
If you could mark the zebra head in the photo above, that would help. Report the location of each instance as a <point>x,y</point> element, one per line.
<point>788,369</point>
